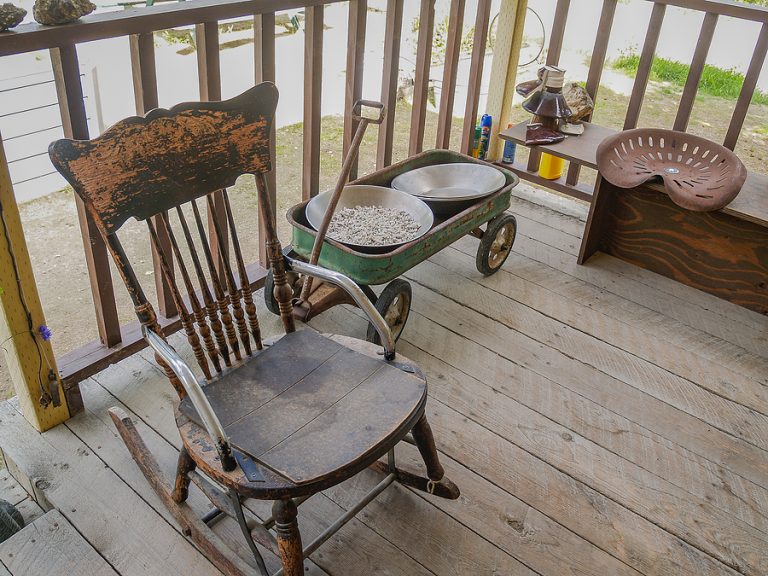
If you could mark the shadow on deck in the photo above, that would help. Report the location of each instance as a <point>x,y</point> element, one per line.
<point>600,420</point>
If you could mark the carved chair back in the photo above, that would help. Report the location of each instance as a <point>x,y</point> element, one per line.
<point>159,169</point>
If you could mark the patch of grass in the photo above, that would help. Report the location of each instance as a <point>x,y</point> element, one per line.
<point>714,81</point>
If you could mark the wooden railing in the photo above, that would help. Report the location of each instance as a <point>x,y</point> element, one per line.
<point>139,24</point>
<point>713,10</point>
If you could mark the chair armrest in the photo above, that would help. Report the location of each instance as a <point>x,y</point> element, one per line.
<point>351,288</point>
<point>195,392</point>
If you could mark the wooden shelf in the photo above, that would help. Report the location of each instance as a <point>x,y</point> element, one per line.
<point>579,149</point>
<point>751,204</point>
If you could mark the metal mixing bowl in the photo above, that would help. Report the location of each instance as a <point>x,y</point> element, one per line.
<point>446,183</point>
<point>360,195</point>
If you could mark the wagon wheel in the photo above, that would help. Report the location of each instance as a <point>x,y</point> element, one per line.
<point>294,281</point>
<point>393,304</point>
<point>496,244</point>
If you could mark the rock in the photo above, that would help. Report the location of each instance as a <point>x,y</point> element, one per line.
<point>578,100</point>
<point>10,16</point>
<point>54,12</point>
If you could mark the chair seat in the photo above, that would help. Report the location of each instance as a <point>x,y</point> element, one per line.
<point>309,407</point>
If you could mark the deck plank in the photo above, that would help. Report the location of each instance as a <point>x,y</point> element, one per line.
<point>606,390</point>
<point>631,282</point>
<point>51,546</point>
<point>101,507</point>
<point>560,447</point>
<point>737,405</point>
<point>722,380</point>
<point>592,309</point>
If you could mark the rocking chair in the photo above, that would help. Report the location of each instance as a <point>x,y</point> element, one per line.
<point>276,422</point>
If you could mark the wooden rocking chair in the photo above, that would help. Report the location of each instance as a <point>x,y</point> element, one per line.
<point>279,422</point>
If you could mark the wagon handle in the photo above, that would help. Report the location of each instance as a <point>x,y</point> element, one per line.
<point>357,111</point>
<point>346,168</point>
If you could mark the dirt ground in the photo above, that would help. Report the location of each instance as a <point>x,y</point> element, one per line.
<point>55,243</point>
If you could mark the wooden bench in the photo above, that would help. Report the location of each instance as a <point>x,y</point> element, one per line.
<point>724,252</point>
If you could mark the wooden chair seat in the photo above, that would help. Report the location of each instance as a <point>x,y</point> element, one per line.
<point>308,409</point>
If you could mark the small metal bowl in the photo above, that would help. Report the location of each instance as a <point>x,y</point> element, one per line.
<point>361,195</point>
<point>446,183</point>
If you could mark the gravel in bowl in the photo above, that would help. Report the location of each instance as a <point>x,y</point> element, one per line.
<point>373,226</point>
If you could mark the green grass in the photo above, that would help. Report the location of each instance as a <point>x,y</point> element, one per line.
<point>714,81</point>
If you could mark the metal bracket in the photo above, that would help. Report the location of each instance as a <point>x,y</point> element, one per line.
<point>248,466</point>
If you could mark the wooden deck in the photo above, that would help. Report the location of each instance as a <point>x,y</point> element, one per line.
<point>600,420</point>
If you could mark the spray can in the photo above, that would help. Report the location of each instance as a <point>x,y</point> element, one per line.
<point>485,135</point>
<point>509,151</point>
<point>476,142</point>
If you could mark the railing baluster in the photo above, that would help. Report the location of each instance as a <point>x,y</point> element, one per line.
<point>313,83</point>
<point>421,80</point>
<point>264,61</point>
<point>596,64</point>
<point>694,74</point>
<point>644,68</point>
<point>392,34</point>
<point>553,59</point>
<point>145,94</point>
<point>747,89</point>
<point>66,71</point>
<point>480,40</point>
<point>448,88</point>
<point>358,12</point>
<point>209,79</point>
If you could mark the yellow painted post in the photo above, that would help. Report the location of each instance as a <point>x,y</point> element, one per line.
<point>506,54</point>
<point>30,358</point>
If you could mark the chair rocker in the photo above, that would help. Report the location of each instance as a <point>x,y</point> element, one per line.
<point>276,422</point>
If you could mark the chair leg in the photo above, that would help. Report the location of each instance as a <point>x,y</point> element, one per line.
<point>288,538</point>
<point>183,468</point>
<point>204,538</point>
<point>425,442</point>
<point>436,483</point>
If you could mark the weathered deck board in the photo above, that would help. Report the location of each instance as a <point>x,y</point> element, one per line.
<point>716,408</point>
<point>599,420</point>
<point>52,547</point>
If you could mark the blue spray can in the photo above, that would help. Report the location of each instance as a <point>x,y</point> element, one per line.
<point>509,151</point>
<point>485,135</point>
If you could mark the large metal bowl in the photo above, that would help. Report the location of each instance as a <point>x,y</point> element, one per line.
<point>448,183</point>
<point>360,195</point>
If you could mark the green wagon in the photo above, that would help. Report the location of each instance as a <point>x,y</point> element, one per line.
<point>375,269</point>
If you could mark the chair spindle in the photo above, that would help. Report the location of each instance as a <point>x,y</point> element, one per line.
<point>245,284</point>
<point>197,310</point>
<point>234,293</point>
<point>210,304</point>
<point>222,298</point>
<point>186,319</point>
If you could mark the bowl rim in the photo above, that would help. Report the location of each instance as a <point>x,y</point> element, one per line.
<point>474,196</point>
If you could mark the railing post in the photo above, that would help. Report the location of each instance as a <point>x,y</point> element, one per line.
<point>421,80</point>
<point>264,62</point>
<point>209,79</point>
<point>506,54</point>
<point>30,358</point>
<point>313,87</point>
<point>66,71</point>
<point>392,35</point>
<point>479,41</point>
<point>450,70</point>
<point>145,94</point>
<point>358,12</point>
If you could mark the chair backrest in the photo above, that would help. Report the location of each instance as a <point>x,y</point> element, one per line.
<point>156,169</point>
